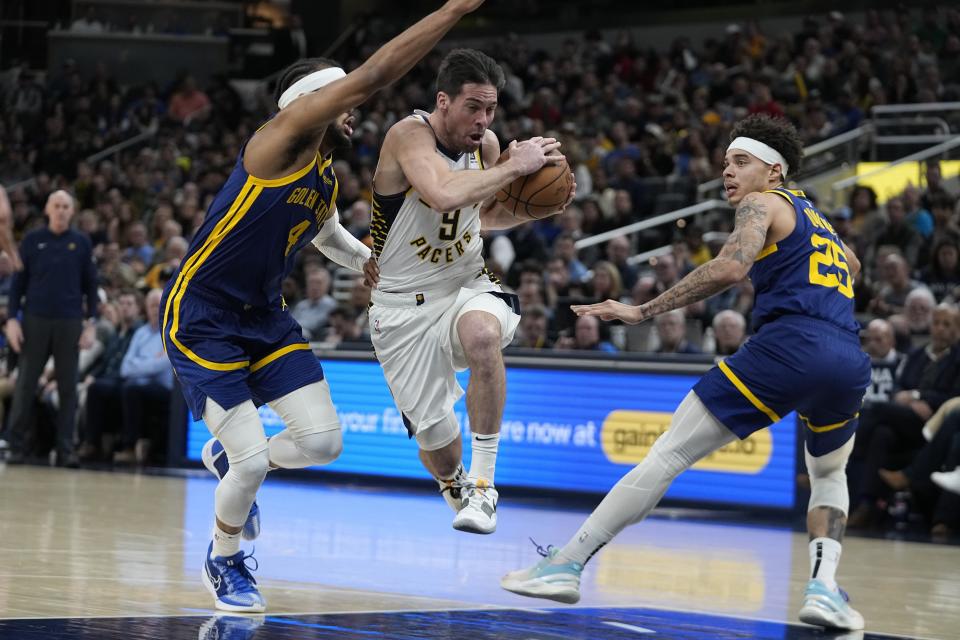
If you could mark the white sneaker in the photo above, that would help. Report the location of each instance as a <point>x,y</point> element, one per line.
<point>830,608</point>
<point>478,508</point>
<point>947,480</point>
<point>560,582</point>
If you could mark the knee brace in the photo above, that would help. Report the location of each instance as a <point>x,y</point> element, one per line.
<point>320,448</point>
<point>828,478</point>
<point>439,434</point>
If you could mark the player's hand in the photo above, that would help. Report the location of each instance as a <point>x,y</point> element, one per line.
<point>610,310</point>
<point>530,155</point>
<point>464,6</point>
<point>14,333</point>
<point>371,273</point>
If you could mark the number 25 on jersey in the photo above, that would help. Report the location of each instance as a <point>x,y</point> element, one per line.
<point>828,266</point>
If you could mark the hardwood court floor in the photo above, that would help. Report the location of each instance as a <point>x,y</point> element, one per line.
<point>88,548</point>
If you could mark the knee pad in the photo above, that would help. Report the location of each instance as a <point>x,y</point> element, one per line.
<point>238,489</point>
<point>238,429</point>
<point>439,434</point>
<point>320,448</point>
<point>828,478</point>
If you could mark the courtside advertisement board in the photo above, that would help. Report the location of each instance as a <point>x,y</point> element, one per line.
<point>563,429</point>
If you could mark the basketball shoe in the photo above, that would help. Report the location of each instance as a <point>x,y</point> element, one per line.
<point>224,627</point>
<point>546,579</point>
<point>230,582</point>
<point>478,508</point>
<point>949,480</point>
<point>215,460</point>
<point>451,489</point>
<point>826,607</point>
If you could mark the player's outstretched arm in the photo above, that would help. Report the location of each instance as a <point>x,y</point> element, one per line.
<point>730,266</point>
<point>274,150</point>
<point>413,146</point>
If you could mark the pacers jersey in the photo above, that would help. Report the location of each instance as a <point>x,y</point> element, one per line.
<point>248,241</point>
<point>419,248</point>
<point>804,274</point>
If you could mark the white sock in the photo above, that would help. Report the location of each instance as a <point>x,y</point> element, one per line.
<point>824,558</point>
<point>224,544</point>
<point>483,456</point>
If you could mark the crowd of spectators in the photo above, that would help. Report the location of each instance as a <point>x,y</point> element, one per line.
<point>641,127</point>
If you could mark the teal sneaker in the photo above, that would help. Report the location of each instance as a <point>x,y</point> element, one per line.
<point>825,607</point>
<point>560,582</point>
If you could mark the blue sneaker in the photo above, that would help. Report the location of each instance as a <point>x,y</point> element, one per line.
<point>825,607</point>
<point>215,460</point>
<point>560,582</point>
<point>224,627</point>
<point>230,582</point>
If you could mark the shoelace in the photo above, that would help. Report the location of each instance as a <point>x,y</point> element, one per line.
<point>844,594</point>
<point>543,551</point>
<point>238,576</point>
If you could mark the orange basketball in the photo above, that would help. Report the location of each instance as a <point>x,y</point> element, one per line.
<point>539,194</point>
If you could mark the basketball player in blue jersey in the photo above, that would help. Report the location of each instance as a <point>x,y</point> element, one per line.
<point>436,309</point>
<point>805,356</point>
<point>228,333</point>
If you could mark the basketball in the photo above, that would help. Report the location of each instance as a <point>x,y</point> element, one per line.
<point>539,194</point>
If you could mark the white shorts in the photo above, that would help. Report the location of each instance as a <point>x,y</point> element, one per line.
<point>415,337</point>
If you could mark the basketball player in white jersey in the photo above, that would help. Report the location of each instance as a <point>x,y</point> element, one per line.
<point>437,310</point>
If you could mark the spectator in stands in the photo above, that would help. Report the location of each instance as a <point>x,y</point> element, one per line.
<point>147,383</point>
<point>894,286</point>
<point>699,251</point>
<point>918,217</point>
<point>899,233</point>
<point>880,344</point>
<point>618,253</point>
<point>942,275</point>
<point>863,207</point>
<point>188,101</point>
<point>138,245</point>
<point>344,331</point>
<point>672,333</point>
<point>173,253</point>
<point>312,311</point>
<point>533,329</point>
<point>587,337</point>
<point>103,381</point>
<point>941,453</point>
<point>729,332</point>
<point>890,432</point>
<point>58,276</point>
<point>918,311</point>
<point>606,281</point>
<point>564,247</point>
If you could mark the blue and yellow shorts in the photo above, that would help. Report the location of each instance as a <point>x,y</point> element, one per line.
<point>794,363</point>
<point>232,353</point>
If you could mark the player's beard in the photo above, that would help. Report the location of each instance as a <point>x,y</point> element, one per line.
<point>339,141</point>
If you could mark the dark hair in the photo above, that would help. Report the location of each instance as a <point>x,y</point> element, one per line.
<point>773,132</point>
<point>870,193</point>
<point>465,66</point>
<point>299,69</point>
<point>941,241</point>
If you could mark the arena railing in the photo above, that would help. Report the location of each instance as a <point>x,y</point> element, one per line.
<point>841,188</point>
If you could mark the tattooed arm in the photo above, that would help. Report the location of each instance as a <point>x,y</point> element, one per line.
<point>753,219</point>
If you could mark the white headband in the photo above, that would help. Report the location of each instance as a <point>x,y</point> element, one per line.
<point>309,83</point>
<point>762,151</point>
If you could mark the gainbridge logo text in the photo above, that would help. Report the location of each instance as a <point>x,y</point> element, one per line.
<point>626,438</point>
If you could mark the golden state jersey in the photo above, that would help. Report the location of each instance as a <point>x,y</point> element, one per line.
<point>248,241</point>
<point>419,248</point>
<point>806,273</point>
